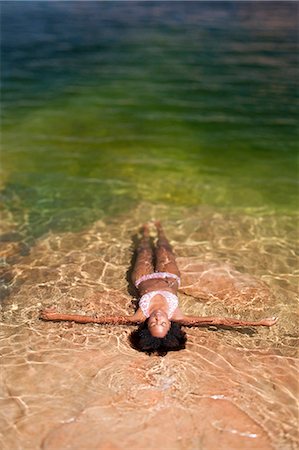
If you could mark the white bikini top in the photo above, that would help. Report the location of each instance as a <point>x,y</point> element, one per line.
<point>172,300</point>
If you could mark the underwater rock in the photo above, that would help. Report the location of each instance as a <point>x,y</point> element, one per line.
<point>217,280</point>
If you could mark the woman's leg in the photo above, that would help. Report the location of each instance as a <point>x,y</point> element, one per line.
<point>144,260</point>
<point>165,259</point>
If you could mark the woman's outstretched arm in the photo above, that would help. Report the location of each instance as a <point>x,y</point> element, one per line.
<point>194,321</point>
<point>53,315</point>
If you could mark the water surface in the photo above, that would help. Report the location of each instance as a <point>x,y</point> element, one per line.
<point>109,104</point>
<point>115,113</point>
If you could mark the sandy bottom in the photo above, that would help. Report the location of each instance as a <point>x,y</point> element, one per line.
<point>70,386</point>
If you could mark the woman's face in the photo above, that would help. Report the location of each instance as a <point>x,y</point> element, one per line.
<point>158,324</point>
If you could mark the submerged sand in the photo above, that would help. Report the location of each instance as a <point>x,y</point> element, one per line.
<point>71,386</point>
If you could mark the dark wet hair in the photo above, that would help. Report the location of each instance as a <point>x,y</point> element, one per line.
<point>142,340</point>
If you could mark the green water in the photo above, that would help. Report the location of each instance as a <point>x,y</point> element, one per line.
<point>109,104</point>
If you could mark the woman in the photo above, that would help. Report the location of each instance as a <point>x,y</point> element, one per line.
<point>158,314</point>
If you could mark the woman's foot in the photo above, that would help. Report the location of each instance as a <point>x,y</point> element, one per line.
<point>159,228</point>
<point>145,231</point>
<point>162,239</point>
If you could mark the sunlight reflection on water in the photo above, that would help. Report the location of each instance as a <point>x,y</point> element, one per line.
<point>114,114</point>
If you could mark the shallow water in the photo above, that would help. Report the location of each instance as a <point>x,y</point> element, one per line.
<point>68,385</point>
<point>182,112</point>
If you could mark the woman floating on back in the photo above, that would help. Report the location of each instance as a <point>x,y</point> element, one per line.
<point>159,317</point>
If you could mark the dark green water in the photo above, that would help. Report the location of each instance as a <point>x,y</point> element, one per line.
<point>108,104</point>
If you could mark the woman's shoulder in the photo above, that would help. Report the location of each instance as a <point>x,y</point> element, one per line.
<point>139,316</point>
<point>178,314</point>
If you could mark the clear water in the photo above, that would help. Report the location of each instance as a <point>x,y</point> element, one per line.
<point>114,113</point>
<point>108,104</point>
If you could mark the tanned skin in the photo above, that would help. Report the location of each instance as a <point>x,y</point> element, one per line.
<point>158,322</point>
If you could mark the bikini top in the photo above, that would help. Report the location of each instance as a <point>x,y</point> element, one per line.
<point>172,301</point>
<point>145,300</point>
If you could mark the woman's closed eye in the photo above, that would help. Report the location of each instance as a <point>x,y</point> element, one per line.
<point>163,324</point>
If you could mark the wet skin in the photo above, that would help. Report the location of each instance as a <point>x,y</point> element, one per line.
<point>158,323</point>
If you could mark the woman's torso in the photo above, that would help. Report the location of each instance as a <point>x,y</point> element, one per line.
<point>163,300</point>
<point>152,297</point>
<point>165,284</point>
